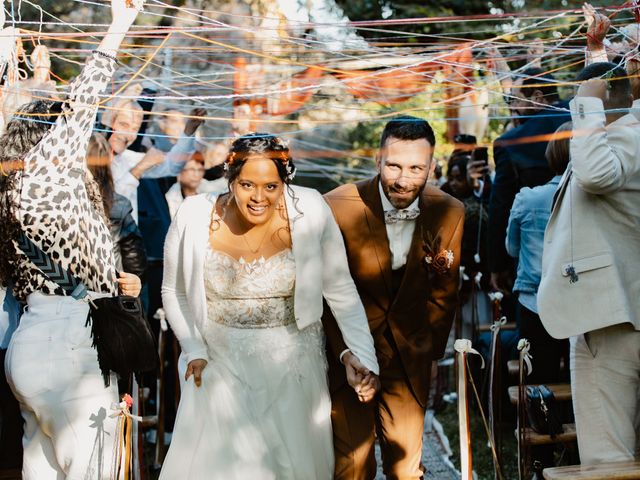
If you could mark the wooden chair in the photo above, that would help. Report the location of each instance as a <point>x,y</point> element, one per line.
<point>562,392</point>
<point>506,326</point>
<point>527,437</point>
<point>513,368</point>
<point>602,471</point>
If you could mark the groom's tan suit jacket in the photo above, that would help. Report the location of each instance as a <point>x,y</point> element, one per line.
<point>421,312</point>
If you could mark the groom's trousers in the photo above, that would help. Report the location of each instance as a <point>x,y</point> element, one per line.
<point>395,415</point>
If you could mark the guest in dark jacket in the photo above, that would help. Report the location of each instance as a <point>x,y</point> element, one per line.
<point>128,245</point>
<point>519,156</point>
<point>475,305</point>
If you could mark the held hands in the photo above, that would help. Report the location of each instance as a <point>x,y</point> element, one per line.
<point>194,123</point>
<point>129,284</point>
<point>195,368</point>
<point>124,12</point>
<point>363,381</point>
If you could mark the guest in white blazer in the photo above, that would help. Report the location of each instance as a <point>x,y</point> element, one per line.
<point>245,275</point>
<point>590,288</point>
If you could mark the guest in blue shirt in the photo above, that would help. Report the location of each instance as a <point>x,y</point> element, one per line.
<point>525,239</point>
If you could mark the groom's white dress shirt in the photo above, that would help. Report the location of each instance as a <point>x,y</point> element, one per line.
<point>399,233</point>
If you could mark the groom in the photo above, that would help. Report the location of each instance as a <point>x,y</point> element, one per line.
<point>403,245</point>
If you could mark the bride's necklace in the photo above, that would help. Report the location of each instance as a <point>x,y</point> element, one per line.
<point>267,230</point>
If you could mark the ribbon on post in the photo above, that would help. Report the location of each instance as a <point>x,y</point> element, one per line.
<point>524,359</point>
<point>495,389</point>
<point>496,300</point>
<point>123,437</point>
<point>463,348</point>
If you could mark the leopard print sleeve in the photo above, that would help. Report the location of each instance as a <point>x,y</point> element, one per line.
<point>85,90</point>
<point>56,211</point>
<point>66,143</point>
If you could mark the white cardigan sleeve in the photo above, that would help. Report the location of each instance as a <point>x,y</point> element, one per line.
<point>341,294</point>
<point>174,295</point>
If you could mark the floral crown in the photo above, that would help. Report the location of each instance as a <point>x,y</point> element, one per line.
<point>281,156</point>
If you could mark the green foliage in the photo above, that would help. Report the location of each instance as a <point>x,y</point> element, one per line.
<point>376,9</point>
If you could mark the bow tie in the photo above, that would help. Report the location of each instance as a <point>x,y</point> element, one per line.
<point>393,216</point>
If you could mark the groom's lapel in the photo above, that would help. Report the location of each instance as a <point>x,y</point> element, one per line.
<point>374,214</point>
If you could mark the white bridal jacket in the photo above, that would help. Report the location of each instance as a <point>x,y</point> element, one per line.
<point>321,270</point>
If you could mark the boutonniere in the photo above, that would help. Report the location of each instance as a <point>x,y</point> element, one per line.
<point>437,259</point>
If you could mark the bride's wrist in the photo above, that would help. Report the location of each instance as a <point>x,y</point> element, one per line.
<point>345,355</point>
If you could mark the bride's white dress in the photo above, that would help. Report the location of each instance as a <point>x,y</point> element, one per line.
<point>263,409</point>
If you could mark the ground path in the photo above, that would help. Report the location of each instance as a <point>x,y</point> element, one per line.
<point>435,453</point>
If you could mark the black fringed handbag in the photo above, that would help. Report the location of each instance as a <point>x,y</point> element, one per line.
<point>121,334</point>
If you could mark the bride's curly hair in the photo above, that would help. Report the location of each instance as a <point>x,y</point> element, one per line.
<point>260,144</point>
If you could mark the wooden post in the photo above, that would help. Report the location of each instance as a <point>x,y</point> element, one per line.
<point>495,393</point>
<point>463,348</point>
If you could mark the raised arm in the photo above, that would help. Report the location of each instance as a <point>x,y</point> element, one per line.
<point>597,28</point>
<point>69,136</point>
<point>157,165</point>
<point>500,69</point>
<point>123,14</point>
<point>602,159</point>
<point>84,90</point>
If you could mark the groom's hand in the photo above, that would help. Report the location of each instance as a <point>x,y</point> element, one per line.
<point>195,368</point>
<point>368,388</point>
<point>365,383</point>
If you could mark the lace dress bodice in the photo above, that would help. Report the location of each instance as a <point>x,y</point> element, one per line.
<point>257,294</point>
<point>250,309</point>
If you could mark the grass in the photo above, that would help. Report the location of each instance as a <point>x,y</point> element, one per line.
<point>482,459</point>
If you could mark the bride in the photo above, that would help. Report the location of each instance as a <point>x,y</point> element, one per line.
<point>244,280</point>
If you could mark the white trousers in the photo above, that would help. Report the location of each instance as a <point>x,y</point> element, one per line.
<point>54,374</point>
<point>605,382</point>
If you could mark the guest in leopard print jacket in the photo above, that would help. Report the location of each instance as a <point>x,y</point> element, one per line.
<point>47,192</point>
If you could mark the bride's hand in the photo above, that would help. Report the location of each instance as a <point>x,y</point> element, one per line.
<point>195,368</point>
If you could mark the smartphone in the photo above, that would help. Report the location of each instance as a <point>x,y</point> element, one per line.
<point>480,154</point>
